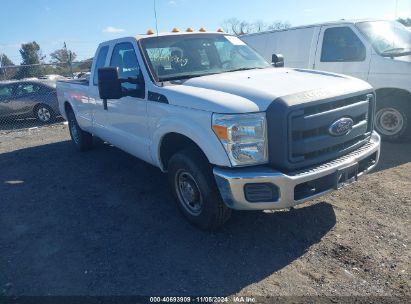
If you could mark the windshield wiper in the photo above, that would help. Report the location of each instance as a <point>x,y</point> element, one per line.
<point>395,52</point>
<point>243,69</point>
<point>183,77</point>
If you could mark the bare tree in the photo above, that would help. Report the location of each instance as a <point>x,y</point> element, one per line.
<point>242,27</point>
<point>63,55</point>
<point>278,25</point>
<point>237,27</point>
<point>405,21</point>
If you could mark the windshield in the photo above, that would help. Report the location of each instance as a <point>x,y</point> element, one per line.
<point>389,38</point>
<point>193,55</point>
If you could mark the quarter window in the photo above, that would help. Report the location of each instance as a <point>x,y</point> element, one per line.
<point>341,44</point>
<point>101,60</point>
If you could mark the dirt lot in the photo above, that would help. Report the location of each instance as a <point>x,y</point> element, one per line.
<point>103,223</point>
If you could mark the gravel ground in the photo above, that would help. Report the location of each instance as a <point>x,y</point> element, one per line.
<point>104,223</point>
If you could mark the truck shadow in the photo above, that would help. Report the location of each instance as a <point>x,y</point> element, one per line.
<point>103,223</point>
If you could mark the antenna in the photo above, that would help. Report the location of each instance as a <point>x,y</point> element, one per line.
<point>155,15</point>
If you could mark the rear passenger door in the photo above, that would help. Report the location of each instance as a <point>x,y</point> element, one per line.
<point>342,50</point>
<point>6,94</point>
<point>26,96</point>
<point>127,116</point>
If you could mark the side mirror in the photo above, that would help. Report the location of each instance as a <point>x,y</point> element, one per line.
<point>109,85</point>
<point>277,60</point>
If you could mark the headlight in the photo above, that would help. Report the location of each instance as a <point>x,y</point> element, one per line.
<point>244,137</point>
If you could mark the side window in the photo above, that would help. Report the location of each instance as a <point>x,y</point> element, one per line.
<point>124,57</point>
<point>27,89</point>
<point>5,91</point>
<point>101,59</point>
<point>341,44</point>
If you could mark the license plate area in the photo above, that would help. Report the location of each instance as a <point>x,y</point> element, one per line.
<point>346,176</point>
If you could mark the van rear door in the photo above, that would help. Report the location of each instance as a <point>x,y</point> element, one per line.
<point>342,50</point>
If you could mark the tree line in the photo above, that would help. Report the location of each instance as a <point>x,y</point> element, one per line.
<point>241,27</point>
<point>33,63</point>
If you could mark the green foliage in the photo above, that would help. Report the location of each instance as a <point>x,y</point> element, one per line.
<point>6,73</point>
<point>30,54</point>
<point>5,61</point>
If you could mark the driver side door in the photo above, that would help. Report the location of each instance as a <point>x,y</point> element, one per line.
<point>127,116</point>
<point>342,50</point>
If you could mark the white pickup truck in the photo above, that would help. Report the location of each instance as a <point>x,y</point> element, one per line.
<point>232,130</point>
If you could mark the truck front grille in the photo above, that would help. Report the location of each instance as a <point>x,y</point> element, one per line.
<point>310,141</point>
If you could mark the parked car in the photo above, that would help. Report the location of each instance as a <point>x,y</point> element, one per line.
<point>377,51</point>
<point>232,131</point>
<point>29,98</point>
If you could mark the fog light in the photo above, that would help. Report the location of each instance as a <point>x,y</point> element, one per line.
<point>261,192</point>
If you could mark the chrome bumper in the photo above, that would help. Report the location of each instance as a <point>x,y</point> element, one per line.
<point>231,182</point>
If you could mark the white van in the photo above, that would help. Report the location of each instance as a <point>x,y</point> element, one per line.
<point>378,51</point>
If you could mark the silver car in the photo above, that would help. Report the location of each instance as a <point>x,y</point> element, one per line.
<point>29,98</point>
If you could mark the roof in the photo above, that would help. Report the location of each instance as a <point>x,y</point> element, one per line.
<point>161,34</point>
<point>46,82</point>
<point>336,22</point>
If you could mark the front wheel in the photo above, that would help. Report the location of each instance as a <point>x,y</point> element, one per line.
<point>392,119</point>
<point>193,186</point>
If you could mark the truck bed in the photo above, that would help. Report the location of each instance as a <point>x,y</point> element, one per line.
<point>83,81</point>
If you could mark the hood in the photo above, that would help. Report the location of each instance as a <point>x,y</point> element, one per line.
<point>255,90</point>
<point>404,58</point>
<point>400,65</point>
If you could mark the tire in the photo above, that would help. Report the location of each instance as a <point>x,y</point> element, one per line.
<point>195,191</point>
<point>44,114</point>
<point>393,118</point>
<point>82,140</point>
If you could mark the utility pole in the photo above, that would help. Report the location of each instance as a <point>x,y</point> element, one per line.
<point>69,58</point>
<point>1,67</point>
<point>71,65</point>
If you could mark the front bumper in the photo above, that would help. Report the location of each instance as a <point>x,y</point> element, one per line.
<point>296,187</point>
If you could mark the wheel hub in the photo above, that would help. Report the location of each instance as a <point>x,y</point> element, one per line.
<point>43,114</point>
<point>389,121</point>
<point>74,131</point>
<point>188,193</point>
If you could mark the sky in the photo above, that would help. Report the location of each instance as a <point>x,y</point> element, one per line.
<point>83,24</point>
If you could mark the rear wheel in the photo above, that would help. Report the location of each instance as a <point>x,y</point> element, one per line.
<point>82,140</point>
<point>193,186</point>
<point>392,118</point>
<point>43,113</point>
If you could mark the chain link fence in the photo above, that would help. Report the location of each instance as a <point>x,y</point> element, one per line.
<point>28,97</point>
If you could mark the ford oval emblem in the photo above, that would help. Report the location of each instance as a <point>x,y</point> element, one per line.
<point>341,126</point>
